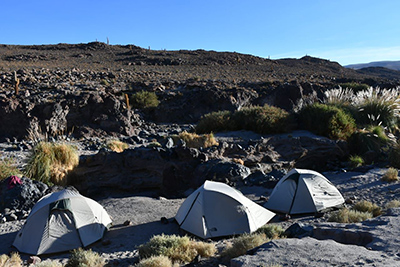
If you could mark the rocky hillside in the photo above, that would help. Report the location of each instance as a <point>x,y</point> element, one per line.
<point>81,89</point>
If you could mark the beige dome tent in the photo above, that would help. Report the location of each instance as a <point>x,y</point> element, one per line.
<point>304,191</point>
<point>216,209</point>
<point>62,221</point>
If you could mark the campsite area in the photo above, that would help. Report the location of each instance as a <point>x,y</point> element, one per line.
<point>147,128</point>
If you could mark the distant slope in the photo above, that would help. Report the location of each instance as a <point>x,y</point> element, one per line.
<point>394,65</point>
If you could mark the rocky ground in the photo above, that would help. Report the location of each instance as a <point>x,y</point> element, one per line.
<point>77,94</point>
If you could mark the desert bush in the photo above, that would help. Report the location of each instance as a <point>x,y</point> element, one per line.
<point>156,261</point>
<point>117,145</point>
<point>48,263</point>
<point>367,206</point>
<point>51,162</point>
<point>264,120</point>
<point>178,249</point>
<point>378,106</point>
<point>214,122</point>
<point>13,261</point>
<point>349,216</point>
<point>356,161</point>
<point>144,99</point>
<point>392,204</point>
<point>271,231</point>
<point>85,258</point>
<point>391,175</point>
<point>8,168</point>
<point>326,120</point>
<point>240,245</point>
<point>196,141</point>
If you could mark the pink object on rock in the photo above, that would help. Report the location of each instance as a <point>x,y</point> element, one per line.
<point>13,180</point>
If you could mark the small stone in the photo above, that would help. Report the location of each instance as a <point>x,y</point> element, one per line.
<point>127,223</point>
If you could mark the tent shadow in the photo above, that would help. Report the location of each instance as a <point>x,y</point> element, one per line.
<point>7,240</point>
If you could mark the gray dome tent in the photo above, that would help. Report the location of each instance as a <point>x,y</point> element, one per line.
<point>216,209</point>
<point>304,191</point>
<point>62,221</point>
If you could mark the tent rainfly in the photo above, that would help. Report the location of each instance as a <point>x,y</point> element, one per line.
<point>62,221</point>
<point>216,209</point>
<point>304,191</point>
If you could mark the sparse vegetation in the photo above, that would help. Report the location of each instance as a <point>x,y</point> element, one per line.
<point>367,206</point>
<point>144,99</point>
<point>391,175</point>
<point>85,258</point>
<point>271,231</point>
<point>215,122</point>
<point>240,245</point>
<point>177,249</point>
<point>156,261</point>
<point>196,141</point>
<point>354,86</point>
<point>333,122</point>
<point>356,161</point>
<point>48,263</point>
<point>8,168</point>
<point>392,204</point>
<point>346,215</point>
<point>117,145</point>
<point>13,261</point>
<point>394,156</point>
<point>51,162</point>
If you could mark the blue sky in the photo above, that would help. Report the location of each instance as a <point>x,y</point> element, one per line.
<point>346,31</point>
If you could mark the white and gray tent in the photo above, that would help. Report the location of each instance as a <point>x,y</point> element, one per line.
<point>216,209</point>
<point>304,191</point>
<point>62,221</point>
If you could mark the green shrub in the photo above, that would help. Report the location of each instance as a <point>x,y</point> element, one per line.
<point>356,161</point>
<point>51,162</point>
<point>373,138</point>
<point>7,168</point>
<point>85,258</point>
<point>391,175</point>
<point>178,249</point>
<point>366,206</point>
<point>349,216</point>
<point>144,99</point>
<point>271,231</point>
<point>264,120</point>
<point>327,120</point>
<point>242,244</point>
<point>156,261</point>
<point>215,122</point>
<point>354,86</point>
<point>195,140</point>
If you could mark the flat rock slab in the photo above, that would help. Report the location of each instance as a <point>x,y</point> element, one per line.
<point>312,252</point>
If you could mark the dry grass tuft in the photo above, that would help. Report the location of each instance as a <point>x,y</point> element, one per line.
<point>51,162</point>
<point>366,206</point>
<point>7,168</point>
<point>117,146</point>
<point>176,248</point>
<point>392,204</point>
<point>349,216</point>
<point>196,141</point>
<point>13,261</point>
<point>242,244</point>
<point>48,263</point>
<point>271,231</point>
<point>84,258</point>
<point>156,261</point>
<point>391,175</point>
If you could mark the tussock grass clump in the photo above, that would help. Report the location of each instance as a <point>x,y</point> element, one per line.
<point>356,161</point>
<point>271,231</point>
<point>117,145</point>
<point>7,168</point>
<point>156,261</point>
<point>51,162</point>
<point>85,258</point>
<point>144,99</point>
<point>48,263</point>
<point>13,261</point>
<point>367,206</point>
<point>240,245</point>
<point>178,249</point>
<point>354,86</point>
<point>196,141</point>
<point>333,122</point>
<point>392,204</point>
<point>391,175</point>
<point>349,216</point>
<point>394,156</point>
<point>215,122</point>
